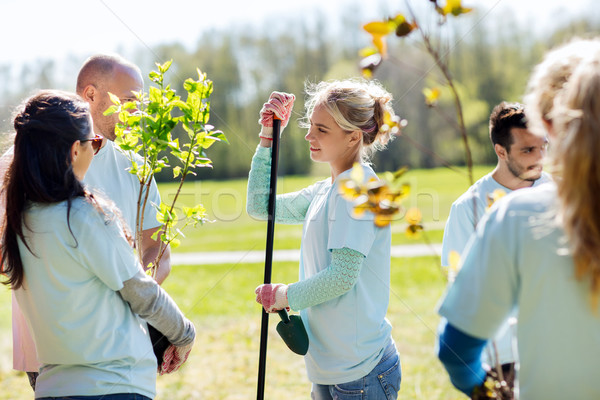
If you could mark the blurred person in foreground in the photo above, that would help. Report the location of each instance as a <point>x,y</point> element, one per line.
<point>538,251</point>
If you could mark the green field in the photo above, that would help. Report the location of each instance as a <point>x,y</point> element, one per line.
<point>220,300</point>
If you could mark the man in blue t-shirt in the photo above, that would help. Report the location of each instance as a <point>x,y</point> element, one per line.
<point>520,155</point>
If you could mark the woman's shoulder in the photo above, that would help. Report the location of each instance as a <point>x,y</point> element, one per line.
<point>537,200</point>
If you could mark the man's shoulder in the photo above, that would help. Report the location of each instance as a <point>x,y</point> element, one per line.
<point>478,191</point>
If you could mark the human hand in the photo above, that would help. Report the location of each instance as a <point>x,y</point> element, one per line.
<point>280,106</point>
<point>273,297</point>
<point>497,385</point>
<point>174,358</point>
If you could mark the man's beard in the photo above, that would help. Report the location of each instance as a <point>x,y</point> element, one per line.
<point>524,173</point>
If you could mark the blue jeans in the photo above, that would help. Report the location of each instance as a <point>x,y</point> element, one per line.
<point>383,383</point>
<point>116,396</point>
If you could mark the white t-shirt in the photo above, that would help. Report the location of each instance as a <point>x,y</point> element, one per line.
<point>347,334</point>
<point>463,217</point>
<point>520,259</point>
<point>89,341</point>
<point>109,174</point>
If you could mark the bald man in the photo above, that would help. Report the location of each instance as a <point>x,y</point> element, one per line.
<point>108,173</point>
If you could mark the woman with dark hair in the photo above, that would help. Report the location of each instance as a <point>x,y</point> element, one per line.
<point>69,259</point>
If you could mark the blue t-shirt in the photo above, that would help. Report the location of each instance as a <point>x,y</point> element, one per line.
<point>88,339</point>
<point>349,333</point>
<point>520,259</point>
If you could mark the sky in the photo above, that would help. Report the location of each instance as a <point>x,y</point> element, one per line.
<point>31,30</point>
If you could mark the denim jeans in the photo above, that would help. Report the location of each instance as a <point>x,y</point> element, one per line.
<point>116,396</point>
<point>382,383</point>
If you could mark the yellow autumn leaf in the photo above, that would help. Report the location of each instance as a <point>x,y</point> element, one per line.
<point>414,231</point>
<point>349,189</point>
<point>360,209</point>
<point>370,63</point>
<point>496,195</point>
<point>383,220</point>
<point>380,42</point>
<point>380,28</point>
<point>453,265</point>
<point>431,96</point>
<point>367,51</point>
<point>366,73</point>
<point>455,8</point>
<point>357,174</point>
<point>413,216</point>
<point>392,124</point>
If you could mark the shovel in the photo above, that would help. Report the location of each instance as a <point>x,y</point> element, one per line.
<point>294,334</point>
<point>292,331</point>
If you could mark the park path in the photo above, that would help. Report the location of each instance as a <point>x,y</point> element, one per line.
<point>256,256</point>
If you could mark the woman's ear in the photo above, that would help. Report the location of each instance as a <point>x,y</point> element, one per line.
<point>355,138</point>
<point>75,149</point>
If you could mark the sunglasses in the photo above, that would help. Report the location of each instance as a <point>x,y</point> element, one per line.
<point>96,143</point>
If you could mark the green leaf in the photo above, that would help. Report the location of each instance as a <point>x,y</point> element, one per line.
<point>164,67</point>
<point>155,95</point>
<point>219,135</point>
<point>114,98</point>
<point>176,171</point>
<point>111,110</point>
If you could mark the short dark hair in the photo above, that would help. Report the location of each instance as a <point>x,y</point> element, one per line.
<point>504,117</point>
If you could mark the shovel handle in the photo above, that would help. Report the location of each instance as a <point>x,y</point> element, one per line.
<point>284,315</point>
<point>262,357</point>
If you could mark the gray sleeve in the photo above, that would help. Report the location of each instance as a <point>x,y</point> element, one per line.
<point>147,299</point>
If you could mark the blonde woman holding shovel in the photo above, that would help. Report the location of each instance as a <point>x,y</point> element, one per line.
<point>343,292</point>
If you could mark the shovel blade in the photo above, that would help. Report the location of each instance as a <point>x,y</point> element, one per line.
<point>292,331</point>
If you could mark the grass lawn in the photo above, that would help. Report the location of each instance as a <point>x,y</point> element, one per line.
<point>220,300</point>
<point>223,365</point>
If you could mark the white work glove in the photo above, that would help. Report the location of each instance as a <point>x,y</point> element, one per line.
<point>279,105</point>
<point>272,296</point>
<point>174,358</point>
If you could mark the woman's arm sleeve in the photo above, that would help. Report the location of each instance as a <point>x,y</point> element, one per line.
<point>147,299</point>
<point>334,281</point>
<point>460,354</point>
<point>290,208</point>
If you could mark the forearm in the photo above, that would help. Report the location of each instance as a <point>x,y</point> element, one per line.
<point>338,278</point>
<point>460,354</point>
<point>290,208</point>
<point>147,299</point>
<point>150,250</point>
